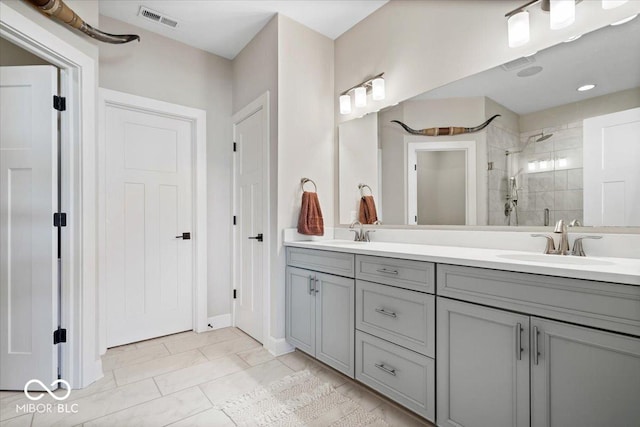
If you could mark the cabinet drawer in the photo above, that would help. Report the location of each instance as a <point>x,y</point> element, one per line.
<point>611,306</point>
<point>337,263</point>
<point>400,374</point>
<point>404,317</point>
<point>415,275</point>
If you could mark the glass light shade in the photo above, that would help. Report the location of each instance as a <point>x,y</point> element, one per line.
<point>518,25</point>
<point>612,4</point>
<point>345,104</point>
<point>562,13</point>
<point>361,96</point>
<point>377,91</point>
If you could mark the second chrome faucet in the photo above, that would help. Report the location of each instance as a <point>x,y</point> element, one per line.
<point>563,244</point>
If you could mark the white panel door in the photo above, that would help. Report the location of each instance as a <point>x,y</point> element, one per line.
<point>149,269</point>
<point>28,242</point>
<point>611,173</point>
<point>248,190</point>
<point>583,377</point>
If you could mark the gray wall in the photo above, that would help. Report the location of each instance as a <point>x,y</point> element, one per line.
<point>10,54</point>
<point>167,70</point>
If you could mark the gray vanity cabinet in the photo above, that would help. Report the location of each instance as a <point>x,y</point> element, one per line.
<point>583,377</point>
<point>320,307</point>
<point>579,376</point>
<point>482,374</point>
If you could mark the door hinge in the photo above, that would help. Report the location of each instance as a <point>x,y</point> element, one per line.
<point>59,219</point>
<point>235,294</point>
<point>416,219</point>
<point>235,147</point>
<point>59,335</point>
<point>415,167</point>
<point>59,103</point>
<point>235,220</point>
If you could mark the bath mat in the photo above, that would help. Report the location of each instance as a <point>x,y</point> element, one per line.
<point>300,399</point>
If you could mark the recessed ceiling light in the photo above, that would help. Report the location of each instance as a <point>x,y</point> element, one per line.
<point>624,21</point>
<point>573,38</point>
<point>585,88</point>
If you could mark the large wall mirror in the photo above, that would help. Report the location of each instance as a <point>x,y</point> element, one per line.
<point>557,151</point>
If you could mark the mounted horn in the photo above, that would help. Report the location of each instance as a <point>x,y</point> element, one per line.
<point>57,9</point>
<point>445,131</point>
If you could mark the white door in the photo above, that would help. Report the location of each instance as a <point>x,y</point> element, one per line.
<point>28,242</point>
<point>611,173</point>
<point>583,377</point>
<point>248,192</point>
<point>149,265</point>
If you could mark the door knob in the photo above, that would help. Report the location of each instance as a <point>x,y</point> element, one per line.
<point>258,237</point>
<point>184,236</point>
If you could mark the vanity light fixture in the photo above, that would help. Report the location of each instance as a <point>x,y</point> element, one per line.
<point>375,84</point>
<point>345,104</point>
<point>562,13</point>
<point>585,88</point>
<point>612,4</point>
<point>518,25</point>
<point>532,166</point>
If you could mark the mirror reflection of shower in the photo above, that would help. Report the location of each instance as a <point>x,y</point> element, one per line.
<point>514,178</point>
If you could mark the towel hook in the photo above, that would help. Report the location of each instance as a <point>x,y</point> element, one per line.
<point>303,181</point>
<point>361,187</point>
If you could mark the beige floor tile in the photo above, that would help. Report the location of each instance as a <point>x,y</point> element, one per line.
<point>200,373</point>
<point>107,382</point>
<point>152,368</point>
<point>256,356</point>
<point>158,412</point>
<point>11,400</point>
<point>208,418</point>
<point>21,421</point>
<point>165,339</point>
<point>395,416</point>
<point>101,404</point>
<point>299,361</point>
<point>214,351</point>
<point>111,361</point>
<point>231,386</point>
<point>367,400</point>
<point>191,342</point>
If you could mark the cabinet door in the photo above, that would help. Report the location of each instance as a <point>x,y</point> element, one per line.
<point>583,377</point>
<point>482,366</point>
<point>335,319</point>
<point>300,309</point>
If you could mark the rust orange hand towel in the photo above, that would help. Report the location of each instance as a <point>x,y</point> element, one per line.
<point>310,221</point>
<point>368,214</point>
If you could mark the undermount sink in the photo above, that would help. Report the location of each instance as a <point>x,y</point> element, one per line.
<point>555,259</point>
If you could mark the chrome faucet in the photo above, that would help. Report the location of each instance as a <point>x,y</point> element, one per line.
<point>360,234</point>
<point>563,245</point>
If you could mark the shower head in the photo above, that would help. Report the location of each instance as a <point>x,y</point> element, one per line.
<point>543,137</point>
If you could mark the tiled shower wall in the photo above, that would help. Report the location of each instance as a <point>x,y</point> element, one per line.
<point>550,175</point>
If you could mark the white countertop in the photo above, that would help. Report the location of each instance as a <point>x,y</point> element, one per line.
<point>616,270</point>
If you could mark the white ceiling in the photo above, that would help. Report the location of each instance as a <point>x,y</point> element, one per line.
<point>224,27</point>
<point>609,58</point>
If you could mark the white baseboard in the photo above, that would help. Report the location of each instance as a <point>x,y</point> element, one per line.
<point>218,322</point>
<point>278,346</point>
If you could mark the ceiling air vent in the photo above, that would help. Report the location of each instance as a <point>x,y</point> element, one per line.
<point>154,16</point>
<point>518,63</point>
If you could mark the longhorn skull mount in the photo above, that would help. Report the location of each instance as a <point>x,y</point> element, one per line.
<point>59,10</point>
<point>445,131</point>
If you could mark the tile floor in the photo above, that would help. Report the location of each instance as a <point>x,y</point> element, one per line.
<point>176,380</point>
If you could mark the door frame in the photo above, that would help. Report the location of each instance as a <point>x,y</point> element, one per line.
<point>468,147</point>
<point>80,362</point>
<point>197,118</point>
<point>261,103</point>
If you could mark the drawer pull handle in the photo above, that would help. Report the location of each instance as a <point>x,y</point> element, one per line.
<point>519,348</point>
<point>384,270</point>
<point>311,286</point>
<point>536,351</point>
<point>386,313</point>
<point>384,368</point>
